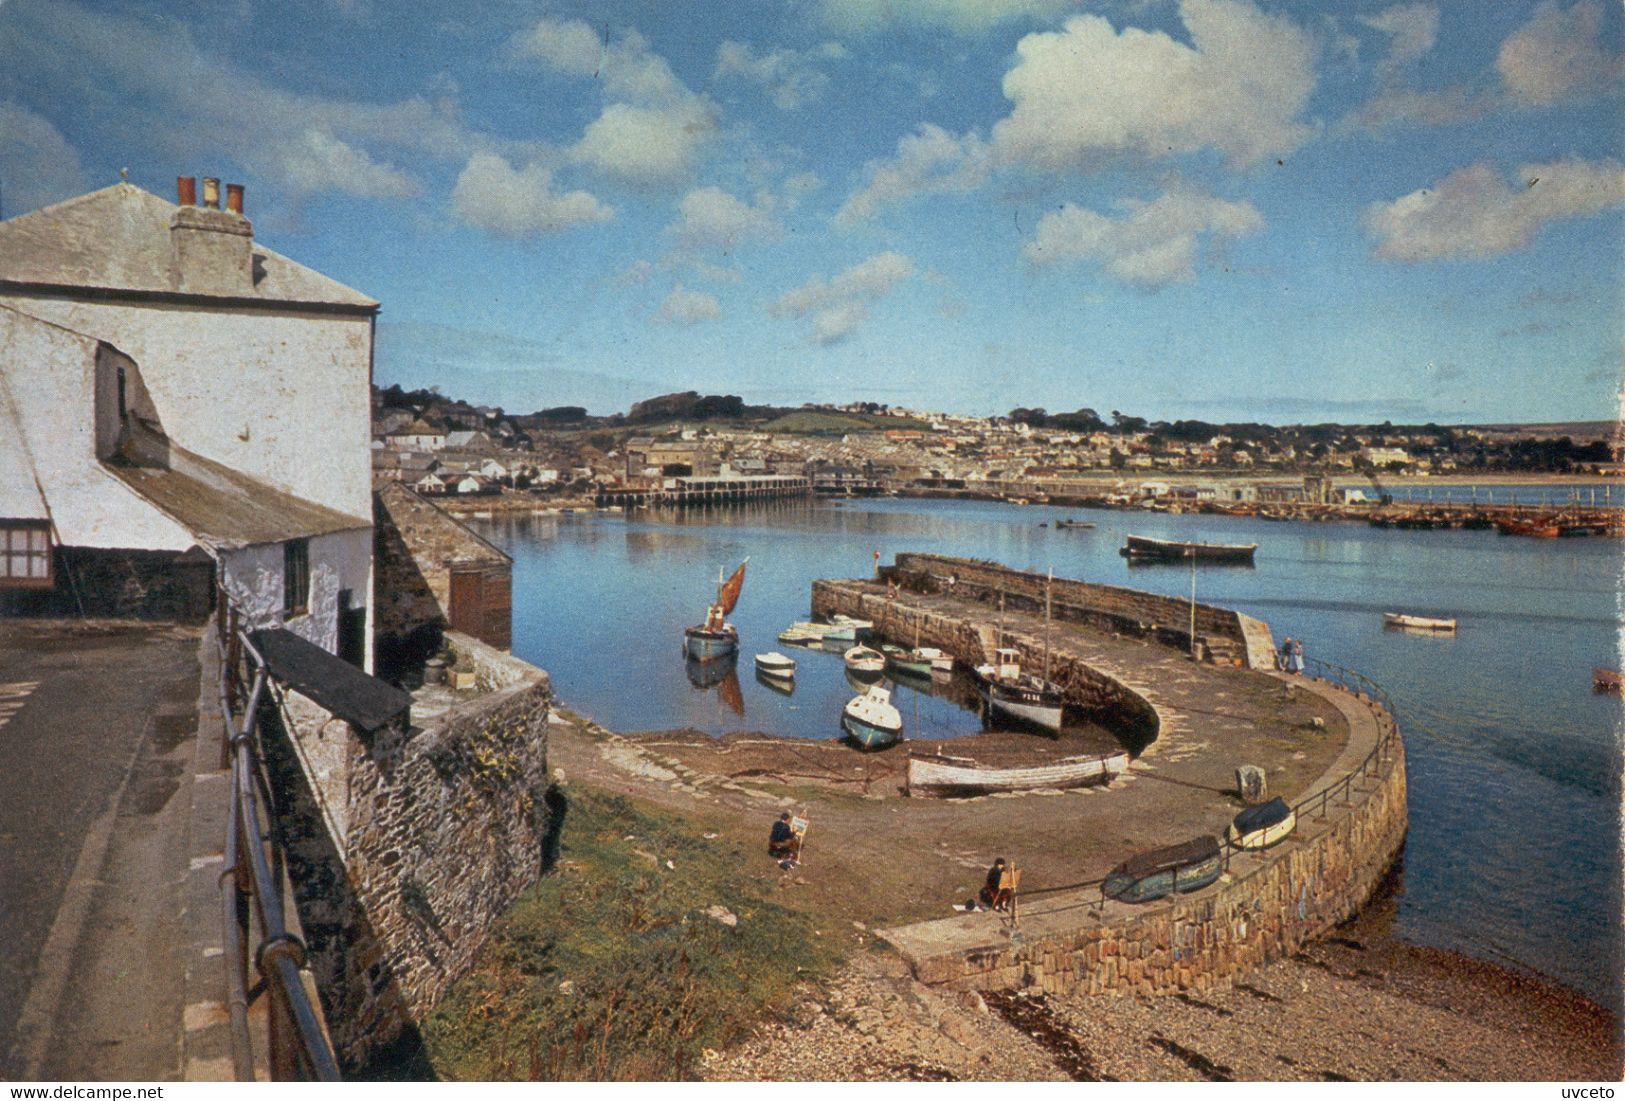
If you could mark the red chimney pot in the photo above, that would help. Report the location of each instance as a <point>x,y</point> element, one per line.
<point>234,198</point>
<point>186,190</point>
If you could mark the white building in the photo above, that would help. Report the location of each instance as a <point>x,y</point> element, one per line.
<point>176,394</point>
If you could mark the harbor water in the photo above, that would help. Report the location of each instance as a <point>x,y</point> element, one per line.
<point>1514,765</point>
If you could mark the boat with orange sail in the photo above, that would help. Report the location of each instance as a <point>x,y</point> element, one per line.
<point>716,637</point>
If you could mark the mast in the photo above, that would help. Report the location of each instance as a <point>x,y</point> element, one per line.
<point>1048,586</point>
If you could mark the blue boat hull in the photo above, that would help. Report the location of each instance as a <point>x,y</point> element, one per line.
<point>702,645</point>
<point>869,737</point>
<point>1176,869</point>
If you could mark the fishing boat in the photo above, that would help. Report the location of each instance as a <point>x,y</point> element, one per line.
<point>796,635</point>
<point>775,664</point>
<point>871,720</point>
<point>940,776</point>
<point>1034,699</point>
<point>846,627</point>
<point>716,637</point>
<point>864,662</point>
<point>1074,525</point>
<point>1188,866</point>
<point>1607,680</point>
<point>1534,529</point>
<point>1417,622</point>
<point>1143,548</point>
<point>1262,826</point>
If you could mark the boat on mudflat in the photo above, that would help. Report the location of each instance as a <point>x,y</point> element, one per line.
<point>1264,825</point>
<point>1021,695</point>
<point>716,637</point>
<point>871,720</point>
<point>1188,866</point>
<point>940,775</point>
<point>1143,548</point>
<point>1417,622</point>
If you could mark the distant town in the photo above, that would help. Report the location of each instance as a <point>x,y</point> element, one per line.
<point>445,447</point>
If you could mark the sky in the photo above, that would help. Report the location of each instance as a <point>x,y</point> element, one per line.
<point>1289,212</point>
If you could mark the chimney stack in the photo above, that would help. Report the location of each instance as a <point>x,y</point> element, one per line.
<point>211,250</point>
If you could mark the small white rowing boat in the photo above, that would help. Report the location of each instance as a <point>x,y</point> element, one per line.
<point>864,661</point>
<point>775,664</point>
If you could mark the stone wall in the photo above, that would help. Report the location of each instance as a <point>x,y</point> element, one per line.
<point>122,584</point>
<point>1107,700</point>
<point>1267,906</point>
<point>407,845</point>
<point>1105,607</point>
<point>416,548</point>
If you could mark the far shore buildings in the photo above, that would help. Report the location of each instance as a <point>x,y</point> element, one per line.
<point>180,405</point>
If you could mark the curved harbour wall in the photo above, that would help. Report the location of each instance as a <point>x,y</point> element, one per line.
<point>1351,827</point>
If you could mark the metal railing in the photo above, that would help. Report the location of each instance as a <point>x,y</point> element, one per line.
<point>251,889</point>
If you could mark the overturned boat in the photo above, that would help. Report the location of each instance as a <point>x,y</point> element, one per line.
<point>1187,866</point>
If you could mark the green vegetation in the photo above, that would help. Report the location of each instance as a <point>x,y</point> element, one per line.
<point>812,422</point>
<point>610,969</point>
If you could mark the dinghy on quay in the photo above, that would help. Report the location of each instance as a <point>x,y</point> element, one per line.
<point>1262,826</point>
<point>1188,866</point>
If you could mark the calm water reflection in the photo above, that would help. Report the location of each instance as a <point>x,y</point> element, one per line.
<point>1514,763</point>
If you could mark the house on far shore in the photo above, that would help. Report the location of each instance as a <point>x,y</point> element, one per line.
<point>181,408</point>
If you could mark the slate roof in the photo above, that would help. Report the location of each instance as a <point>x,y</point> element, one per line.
<point>226,509</point>
<point>117,239</point>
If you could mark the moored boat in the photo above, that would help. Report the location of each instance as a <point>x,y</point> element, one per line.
<point>941,775</point>
<point>1143,548</point>
<point>864,662</point>
<point>775,664</point>
<point>1188,866</point>
<point>1534,529</point>
<point>1417,622</point>
<point>1074,525</point>
<point>716,637</point>
<point>871,720</point>
<point>917,660</point>
<point>1607,680</point>
<point>1262,826</point>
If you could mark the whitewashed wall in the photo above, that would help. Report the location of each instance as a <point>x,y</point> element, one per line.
<point>280,396</point>
<point>253,578</point>
<point>50,377</point>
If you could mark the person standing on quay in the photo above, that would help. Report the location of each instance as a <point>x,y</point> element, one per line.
<point>1295,662</point>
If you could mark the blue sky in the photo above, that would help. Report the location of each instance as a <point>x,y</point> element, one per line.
<point>1206,208</point>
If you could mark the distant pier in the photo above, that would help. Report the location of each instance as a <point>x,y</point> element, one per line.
<point>684,492</point>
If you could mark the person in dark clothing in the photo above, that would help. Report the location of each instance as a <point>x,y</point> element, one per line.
<point>781,840</point>
<point>992,895</point>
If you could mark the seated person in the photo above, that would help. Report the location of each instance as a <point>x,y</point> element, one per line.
<point>993,895</point>
<point>782,842</point>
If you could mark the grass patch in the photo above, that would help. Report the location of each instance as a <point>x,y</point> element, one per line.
<point>609,968</point>
<point>808,422</point>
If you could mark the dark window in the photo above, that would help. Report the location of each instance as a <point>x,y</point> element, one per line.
<point>25,554</point>
<point>295,576</point>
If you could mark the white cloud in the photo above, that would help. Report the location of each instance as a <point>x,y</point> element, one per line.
<point>316,161</point>
<point>961,16</point>
<point>1473,214</point>
<point>635,274</point>
<point>711,218</point>
<point>645,145</point>
<point>841,305</point>
<point>928,161</point>
<point>1412,29</point>
<point>150,77</point>
<point>1557,55</point>
<point>791,78</point>
<point>492,195</point>
<point>685,307</point>
<point>1152,243</point>
<point>1087,92</point>
<point>652,129</point>
<point>37,165</point>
